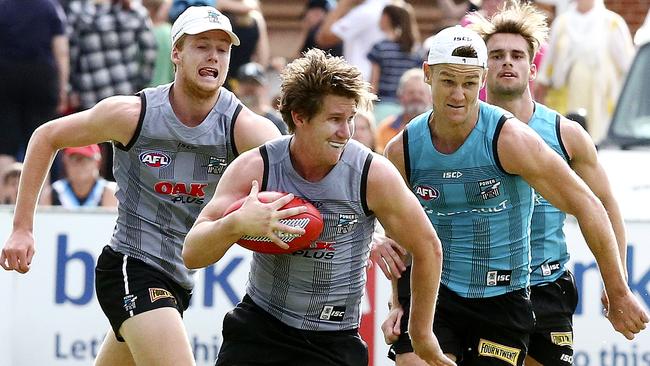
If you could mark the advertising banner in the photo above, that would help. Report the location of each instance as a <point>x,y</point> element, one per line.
<point>50,316</point>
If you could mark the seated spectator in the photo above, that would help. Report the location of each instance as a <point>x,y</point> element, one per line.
<point>364,128</point>
<point>414,97</point>
<point>252,90</point>
<point>9,183</point>
<point>83,186</point>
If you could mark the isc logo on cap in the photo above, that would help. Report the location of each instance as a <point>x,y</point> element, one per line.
<point>155,159</point>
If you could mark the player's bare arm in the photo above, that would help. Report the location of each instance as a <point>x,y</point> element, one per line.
<point>521,151</point>
<point>252,130</point>
<point>113,119</point>
<point>420,239</point>
<point>584,161</point>
<point>213,234</point>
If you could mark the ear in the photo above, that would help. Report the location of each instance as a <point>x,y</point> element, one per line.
<point>298,119</point>
<point>427,73</point>
<point>533,72</point>
<point>484,77</point>
<point>176,57</point>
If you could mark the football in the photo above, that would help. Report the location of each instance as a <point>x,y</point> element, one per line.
<point>311,221</point>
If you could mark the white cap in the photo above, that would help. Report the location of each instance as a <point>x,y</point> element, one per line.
<point>449,39</point>
<point>199,19</point>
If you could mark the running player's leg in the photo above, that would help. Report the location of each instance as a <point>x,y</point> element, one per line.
<point>113,353</point>
<point>551,343</point>
<point>158,337</point>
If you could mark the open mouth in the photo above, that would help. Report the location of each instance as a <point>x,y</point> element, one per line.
<point>209,71</point>
<point>336,145</point>
<point>507,75</point>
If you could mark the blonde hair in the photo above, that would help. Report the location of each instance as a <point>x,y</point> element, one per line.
<point>515,18</point>
<point>308,80</point>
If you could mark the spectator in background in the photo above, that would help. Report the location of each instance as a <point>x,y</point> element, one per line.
<point>112,49</point>
<point>589,52</point>
<point>163,69</point>
<point>250,26</point>
<point>364,128</point>
<point>252,90</point>
<point>414,97</point>
<point>33,71</point>
<point>391,57</point>
<point>9,183</point>
<point>83,186</point>
<point>356,24</point>
<point>312,19</point>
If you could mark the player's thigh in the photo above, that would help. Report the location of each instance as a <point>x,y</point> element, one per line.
<point>158,337</point>
<point>113,353</point>
<point>551,347</point>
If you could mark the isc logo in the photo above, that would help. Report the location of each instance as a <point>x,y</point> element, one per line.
<point>155,159</point>
<point>449,175</point>
<point>427,193</point>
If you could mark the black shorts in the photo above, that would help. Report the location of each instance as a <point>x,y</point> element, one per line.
<point>485,331</point>
<point>127,287</point>
<point>251,336</point>
<point>551,343</point>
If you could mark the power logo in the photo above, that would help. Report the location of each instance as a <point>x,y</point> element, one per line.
<point>347,223</point>
<point>492,349</point>
<point>129,302</point>
<point>155,159</point>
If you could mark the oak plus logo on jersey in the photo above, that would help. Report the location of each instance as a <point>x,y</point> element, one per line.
<point>427,193</point>
<point>155,159</point>
<point>489,188</point>
<point>216,165</point>
<point>181,192</point>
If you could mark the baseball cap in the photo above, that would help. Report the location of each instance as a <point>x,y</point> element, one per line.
<point>252,71</point>
<point>90,151</point>
<point>199,19</point>
<point>449,39</point>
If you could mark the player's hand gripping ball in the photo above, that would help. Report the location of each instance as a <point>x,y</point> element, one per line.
<point>310,220</point>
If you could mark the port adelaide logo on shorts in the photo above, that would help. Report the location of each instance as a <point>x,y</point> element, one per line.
<point>489,188</point>
<point>155,159</point>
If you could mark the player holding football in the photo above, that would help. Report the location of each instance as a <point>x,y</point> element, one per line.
<point>299,309</point>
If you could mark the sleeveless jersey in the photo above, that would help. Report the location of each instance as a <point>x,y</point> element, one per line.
<point>63,195</point>
<point>547,242</point>
<point>481,213</point>
<point>165,175</point>
<point>320,288</point>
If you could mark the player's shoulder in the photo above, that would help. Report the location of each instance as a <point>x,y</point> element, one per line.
<point>121,107</point>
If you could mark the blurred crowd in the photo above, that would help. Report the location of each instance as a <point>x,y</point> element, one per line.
<point>60,57</point>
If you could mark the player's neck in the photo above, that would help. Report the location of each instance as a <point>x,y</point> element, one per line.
<point>191,109</point>
<point>447,136</point>
<point>521,106</point>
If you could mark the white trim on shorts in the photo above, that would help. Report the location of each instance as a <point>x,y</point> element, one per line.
<point>126,279</point>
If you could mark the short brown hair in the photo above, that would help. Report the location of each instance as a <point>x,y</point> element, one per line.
<point>514,18</point>
<point>308,80</point>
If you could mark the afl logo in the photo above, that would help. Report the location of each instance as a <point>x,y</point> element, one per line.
<point>155,159</point>
<point>427,193</point>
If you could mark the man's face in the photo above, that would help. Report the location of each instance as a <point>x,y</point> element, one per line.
<point>509,65</point>
<point>415,97</point>
<point>80,168</point>
<point>202,61</point>
<point>330,129</point>
<point>454,89</point>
